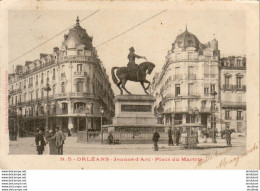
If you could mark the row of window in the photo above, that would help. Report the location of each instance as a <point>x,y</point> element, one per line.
<point>238,81</point>
<point>228,115</point>
<point>208,88</point>
<point>41,77</point>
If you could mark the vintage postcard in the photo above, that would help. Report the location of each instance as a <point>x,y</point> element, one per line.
<point>129,85</point>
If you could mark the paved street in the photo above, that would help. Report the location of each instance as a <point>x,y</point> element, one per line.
<point>72,147</point>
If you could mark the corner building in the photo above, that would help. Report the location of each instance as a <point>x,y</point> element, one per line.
<point>185,86</point>
<point>78,84</point>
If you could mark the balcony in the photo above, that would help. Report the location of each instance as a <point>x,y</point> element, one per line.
<point>64,110</point>
<point>63,74</point>
<point>191,76</point>
<point>47,80</point>
<point>239,118</point>
<point>80,73</point>
<point>75,58</point>
<point>210,75</point>
<point>207,94</point>
<point>76,94</point>
<point>239,88</point>
<point>30,85</point>
<point>177,77</point>
<point>233,104</point>
<point>15,91</point>
<point>205,110</point>
<point>213,75</point>
<point>180,109</point>
<point>228,118</point>
<point>227,87</point>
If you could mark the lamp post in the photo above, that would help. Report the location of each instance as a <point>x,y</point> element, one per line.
<point>87,111</point>
<point>47,89</point>
<point>101,110</point>
<point>213,110</point>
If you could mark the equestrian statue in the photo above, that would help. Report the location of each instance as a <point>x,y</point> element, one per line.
<point>132,72</point>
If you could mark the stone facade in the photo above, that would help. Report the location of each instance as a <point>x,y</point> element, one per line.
<point>233,93</point>
<point>78,85</point>
<point>185,87</point>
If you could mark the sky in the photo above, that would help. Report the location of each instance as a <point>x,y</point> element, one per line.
<point>152,39</point>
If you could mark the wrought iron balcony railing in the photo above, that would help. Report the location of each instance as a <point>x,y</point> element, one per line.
<point>80,73</point>
<point>239,87</point>
<point>227,87</point>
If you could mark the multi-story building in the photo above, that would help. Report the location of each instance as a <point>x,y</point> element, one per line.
<point>185,87</point>
<point>65,87</point>
<point>233,93</point>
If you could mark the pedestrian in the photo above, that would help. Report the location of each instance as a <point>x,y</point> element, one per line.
<point>110,138</point>
<point>59,138</point>
<point>228,136</point>
<point>170,142</point>
<point>52,143</point>
<point>177,135</point>
<point>205,135</point>
<point>69,132</point>
<point>156,137</point>
<point>40,142</point>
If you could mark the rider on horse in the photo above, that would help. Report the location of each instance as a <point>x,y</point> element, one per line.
<point>131,64</point>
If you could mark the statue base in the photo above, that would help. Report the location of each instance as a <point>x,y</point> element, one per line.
<point>134,120</point>
<point>134,110</point>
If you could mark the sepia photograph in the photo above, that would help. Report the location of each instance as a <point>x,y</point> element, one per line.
<point>69,95</point>
<point>110,86</point>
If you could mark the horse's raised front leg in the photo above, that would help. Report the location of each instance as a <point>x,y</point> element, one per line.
<point>142,83</point>
<point>146,81</point>
<point>123,86</point>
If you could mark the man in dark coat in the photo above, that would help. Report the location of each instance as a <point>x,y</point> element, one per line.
<point>177,135</point>
<point>156,137</point>
<point>170,141</point>
<point>52,143</point>
<point>228,136</point>
<point>59,138</point>
<point>110,139</point>
<point>40,142</point>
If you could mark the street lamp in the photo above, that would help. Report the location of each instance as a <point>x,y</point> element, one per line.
<point>47,89</point>
<point>101,110</point>
<point>213,110</point>
<point>87,111</point>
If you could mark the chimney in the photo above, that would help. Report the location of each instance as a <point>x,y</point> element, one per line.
<point>27,63</point>
<point>55,49</point>
<point>42,55</point>
<point>18,69</point>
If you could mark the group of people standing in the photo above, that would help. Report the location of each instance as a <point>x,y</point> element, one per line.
<point>55,139</point>
<point>174,136</point>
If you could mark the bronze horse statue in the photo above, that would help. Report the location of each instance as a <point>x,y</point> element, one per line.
<point>124,74</point>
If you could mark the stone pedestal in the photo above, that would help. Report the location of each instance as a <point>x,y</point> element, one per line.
<point>134,110</point>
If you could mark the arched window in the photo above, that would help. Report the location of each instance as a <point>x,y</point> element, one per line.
<point>79,86</point>
<point>62,87</point>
